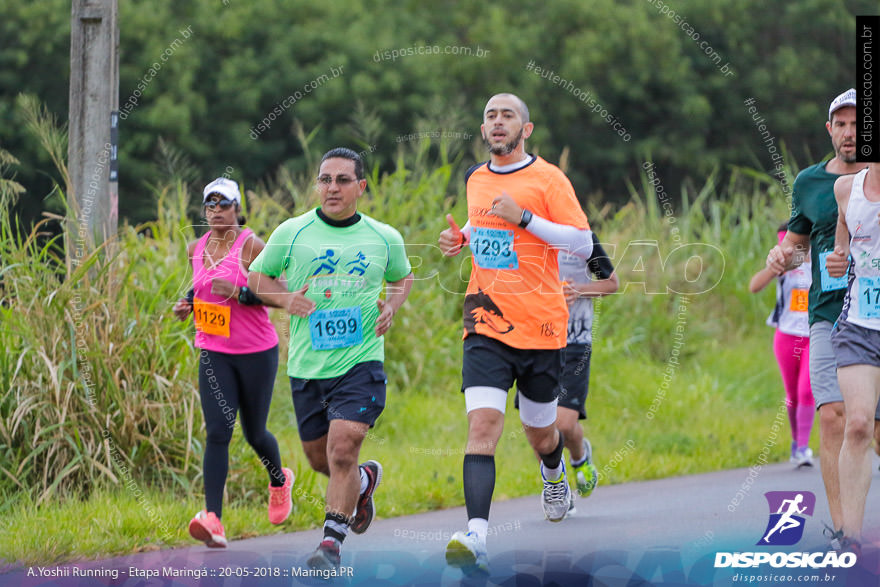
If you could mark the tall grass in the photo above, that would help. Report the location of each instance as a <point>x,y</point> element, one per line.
<point>91,371</point>
<point>98,379</point>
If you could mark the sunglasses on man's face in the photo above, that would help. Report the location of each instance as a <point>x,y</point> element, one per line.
<point>224,204</point>
<point>341,180</point>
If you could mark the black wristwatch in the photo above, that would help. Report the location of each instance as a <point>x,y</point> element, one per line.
<point>246,297</point>
<point>525,218</point>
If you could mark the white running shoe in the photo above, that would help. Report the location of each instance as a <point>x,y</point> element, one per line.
<point>556,497</point>
<point>466,551</point>
<point>804,457</point>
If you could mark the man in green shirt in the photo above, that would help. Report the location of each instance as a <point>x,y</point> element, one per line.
<point>812,224</point>
<point>327,268</point>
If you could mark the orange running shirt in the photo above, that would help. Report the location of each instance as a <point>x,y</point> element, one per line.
<point>514,294</point>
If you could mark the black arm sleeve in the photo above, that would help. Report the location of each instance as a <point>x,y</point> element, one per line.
<point>599,263</point>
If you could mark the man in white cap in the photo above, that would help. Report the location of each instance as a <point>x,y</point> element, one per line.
<point>813,223</point>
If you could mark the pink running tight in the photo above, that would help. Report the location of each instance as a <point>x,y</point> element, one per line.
<point>793,355</point>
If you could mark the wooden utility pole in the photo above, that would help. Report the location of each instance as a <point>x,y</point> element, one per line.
<point>94,104</point>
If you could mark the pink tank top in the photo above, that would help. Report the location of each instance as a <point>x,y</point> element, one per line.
<point>222,324</point>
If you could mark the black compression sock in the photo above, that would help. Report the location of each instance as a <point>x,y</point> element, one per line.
<point>336,526</point>
<point>551,460</point>
<point>479,483</point>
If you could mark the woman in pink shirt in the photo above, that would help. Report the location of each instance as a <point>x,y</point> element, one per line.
<point>238,356</point>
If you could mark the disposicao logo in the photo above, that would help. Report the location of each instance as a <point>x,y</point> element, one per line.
<point>787,511</point>
<point>785,528</point>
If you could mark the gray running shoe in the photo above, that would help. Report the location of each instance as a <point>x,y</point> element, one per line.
<point>326,557</point>
<point>571,507</point>
<point>835,538</point>
<point>556,497</point>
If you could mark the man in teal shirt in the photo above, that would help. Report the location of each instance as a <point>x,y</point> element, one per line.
<point>812,224</point>
<point>327,268</point>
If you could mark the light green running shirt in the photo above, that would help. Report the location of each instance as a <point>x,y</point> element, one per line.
<point>345,268</point>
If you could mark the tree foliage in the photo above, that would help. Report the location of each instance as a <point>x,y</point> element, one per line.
<point>655,67</point>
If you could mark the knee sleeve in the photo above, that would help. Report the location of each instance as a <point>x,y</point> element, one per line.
<point>485,397</point>
<point>536,415</point>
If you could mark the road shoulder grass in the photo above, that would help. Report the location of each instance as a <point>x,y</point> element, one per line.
<point>717,412</point>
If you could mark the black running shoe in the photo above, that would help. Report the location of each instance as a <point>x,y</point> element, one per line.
<point>363,515</point>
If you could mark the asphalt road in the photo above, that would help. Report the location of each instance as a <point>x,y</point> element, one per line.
<point>664,532</point>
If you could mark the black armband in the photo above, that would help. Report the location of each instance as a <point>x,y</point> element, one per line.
<point>247,298</point>
<point>190,296</point>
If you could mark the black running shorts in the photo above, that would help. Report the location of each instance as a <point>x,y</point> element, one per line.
<point>358,395</point>
<point>490,363</point>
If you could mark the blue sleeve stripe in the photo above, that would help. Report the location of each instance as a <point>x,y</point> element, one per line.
<point>290,250</point>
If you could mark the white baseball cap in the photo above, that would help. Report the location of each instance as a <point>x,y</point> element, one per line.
<point>225,187</point>
<point>848,98</point>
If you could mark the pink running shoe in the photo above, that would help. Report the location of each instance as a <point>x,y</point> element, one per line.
<point>206,526</point>
<point>280,503</point>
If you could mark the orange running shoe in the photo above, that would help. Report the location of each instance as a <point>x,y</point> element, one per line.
<point>280,503</point>
<point>206,526</point>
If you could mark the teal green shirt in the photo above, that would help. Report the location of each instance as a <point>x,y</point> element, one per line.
<point>814,213</point>
<point>345,268</point>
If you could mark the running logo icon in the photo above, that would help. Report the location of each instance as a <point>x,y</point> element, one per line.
<point>786,524</point>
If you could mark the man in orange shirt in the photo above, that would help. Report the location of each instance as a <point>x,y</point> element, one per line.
<point>521,211</point>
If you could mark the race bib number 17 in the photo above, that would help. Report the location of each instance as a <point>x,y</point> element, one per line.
<point>869,297</point>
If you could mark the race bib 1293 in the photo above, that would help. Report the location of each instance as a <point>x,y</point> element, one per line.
<point>492,248</point>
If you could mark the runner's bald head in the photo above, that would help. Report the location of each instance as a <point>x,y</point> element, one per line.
<point>523,109</point>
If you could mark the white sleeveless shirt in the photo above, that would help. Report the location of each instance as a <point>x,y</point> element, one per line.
<point>862,303</point>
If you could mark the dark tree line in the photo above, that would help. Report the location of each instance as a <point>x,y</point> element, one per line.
<point>613,82</point>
